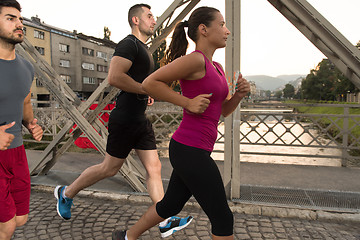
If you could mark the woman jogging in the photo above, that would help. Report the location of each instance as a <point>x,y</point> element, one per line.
<point>205,96</point>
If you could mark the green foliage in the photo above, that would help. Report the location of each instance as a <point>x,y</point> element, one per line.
<point>289,91</point>
<point>268,93</point>
<point>107,33</point>
<point>326,82</point>
<point>278,94</point>
<point>333,110</point>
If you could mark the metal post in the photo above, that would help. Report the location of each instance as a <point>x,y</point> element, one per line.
<point>232,64</point>
<point>345,140</point>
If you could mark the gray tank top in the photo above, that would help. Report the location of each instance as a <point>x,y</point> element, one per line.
<point>16,77</point>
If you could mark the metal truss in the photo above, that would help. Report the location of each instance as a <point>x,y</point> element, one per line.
<point>323,35</point>
<point>78,112</point>
<point>170,18</point>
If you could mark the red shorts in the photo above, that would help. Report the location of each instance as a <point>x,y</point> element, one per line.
<point>14,183</point>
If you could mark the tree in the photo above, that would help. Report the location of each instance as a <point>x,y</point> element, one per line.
<point>289,91</point>
<point>326,82</point>
<point>278,94</point>
<point>107,33</point>
<point>268,93</point>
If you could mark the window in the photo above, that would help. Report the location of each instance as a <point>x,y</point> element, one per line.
<point>64,63</point>
<point>38,83</point>
<point>101,55</point>
<point>64,48</point>
<point>102,68</point>
<point>39,34</point>
<point>66,78</point>
<point>41,50</point>
<point>100,80</point>
<point>88,80</point>
<point>88,51</point>
<point>88,66</point>
<point>24,30</point>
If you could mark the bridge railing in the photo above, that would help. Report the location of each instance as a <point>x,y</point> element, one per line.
<point>308,135</point>
<point>277,131</point>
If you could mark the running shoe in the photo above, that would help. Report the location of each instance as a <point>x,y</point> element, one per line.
<point>63,205</point>
<point>118,235</point>
<point>174,224</point>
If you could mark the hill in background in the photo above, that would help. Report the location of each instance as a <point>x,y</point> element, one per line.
<point>265,82</point>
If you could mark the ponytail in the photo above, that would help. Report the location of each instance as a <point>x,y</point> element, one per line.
<point>178,44</point>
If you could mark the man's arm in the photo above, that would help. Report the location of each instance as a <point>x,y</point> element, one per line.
<point>29,121</point>
<point>119,78</point>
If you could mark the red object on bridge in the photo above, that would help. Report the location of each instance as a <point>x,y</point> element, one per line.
<point>83,141</point>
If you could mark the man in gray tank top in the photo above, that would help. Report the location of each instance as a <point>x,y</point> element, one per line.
<point>15,110</point>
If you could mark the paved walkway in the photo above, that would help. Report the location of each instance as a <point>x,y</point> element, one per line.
<point>111,204</point>
<point>326,178</point>
<point>95,218</point>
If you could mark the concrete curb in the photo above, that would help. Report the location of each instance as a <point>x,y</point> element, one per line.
<point>242,208</point>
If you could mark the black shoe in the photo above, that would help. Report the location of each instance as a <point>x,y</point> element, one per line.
<point>118,235</point>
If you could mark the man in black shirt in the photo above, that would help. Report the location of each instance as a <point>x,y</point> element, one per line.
<point>128,126</point>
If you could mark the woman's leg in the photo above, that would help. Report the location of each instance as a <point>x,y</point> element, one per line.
<point>147,221</point>
<point>202,177</point>
<point>174,200</point>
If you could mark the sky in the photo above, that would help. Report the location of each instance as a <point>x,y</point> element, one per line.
<point>270,44</point>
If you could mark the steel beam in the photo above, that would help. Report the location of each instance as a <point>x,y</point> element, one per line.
<point>166,18</point>
<point>323,35</point>
<point>232,122</point>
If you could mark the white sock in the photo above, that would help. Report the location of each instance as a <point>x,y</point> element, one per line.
<point>163,223</point>
<point>63,192</point>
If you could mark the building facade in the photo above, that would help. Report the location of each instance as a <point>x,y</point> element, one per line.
<point>39,36</point>
<point>81,61</point>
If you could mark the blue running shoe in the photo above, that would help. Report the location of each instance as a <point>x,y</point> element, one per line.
<point>174,224</point>
<point>63,204</point>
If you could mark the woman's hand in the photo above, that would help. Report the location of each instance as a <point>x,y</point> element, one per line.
<point>242,87</point>
<point>198,104</point>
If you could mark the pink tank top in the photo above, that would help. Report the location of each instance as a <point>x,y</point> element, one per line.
<point>200,130</point>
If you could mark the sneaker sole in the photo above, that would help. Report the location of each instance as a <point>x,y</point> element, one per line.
<point>175,229</point>
<point>56,194</point>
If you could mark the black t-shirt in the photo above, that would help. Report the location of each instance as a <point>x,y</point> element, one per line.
<point>131,107</point>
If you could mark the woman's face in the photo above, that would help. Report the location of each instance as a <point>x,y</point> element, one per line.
<point>217,32</point>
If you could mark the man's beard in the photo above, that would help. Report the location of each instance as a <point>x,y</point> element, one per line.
<point>148,33</point>
<point>12,40</point>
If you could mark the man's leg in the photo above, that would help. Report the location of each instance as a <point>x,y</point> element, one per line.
<point>14,190</point>
<point>7,229</point>
<point>108,168</point>
<point>152,164</point>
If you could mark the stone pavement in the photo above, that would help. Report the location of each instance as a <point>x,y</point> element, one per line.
<point>95,218</point>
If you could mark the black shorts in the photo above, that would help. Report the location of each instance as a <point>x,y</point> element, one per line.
<point>123,137</point>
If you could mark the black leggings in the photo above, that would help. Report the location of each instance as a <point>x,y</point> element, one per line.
<point>196,173</point>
